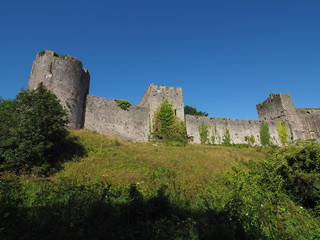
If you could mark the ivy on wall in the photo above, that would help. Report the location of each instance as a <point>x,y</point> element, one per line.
<point>226,137</point>
<point>264,134</point>
<point>282,132</point>
<point>203,132</point>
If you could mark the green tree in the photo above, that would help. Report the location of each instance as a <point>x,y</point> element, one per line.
<point>34,128</point>
<point>193,111</point>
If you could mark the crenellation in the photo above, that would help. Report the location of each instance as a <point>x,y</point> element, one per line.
<point>64,76</point>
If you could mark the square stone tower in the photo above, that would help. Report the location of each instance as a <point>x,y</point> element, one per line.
<point>154,95</point>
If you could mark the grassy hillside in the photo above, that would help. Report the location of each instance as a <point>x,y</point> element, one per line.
<point>114,189</point>
<point>151,165</point>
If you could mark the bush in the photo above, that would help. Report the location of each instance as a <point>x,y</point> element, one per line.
<point>123,104</point>
<point>32,130</point>
<point>298,167</point>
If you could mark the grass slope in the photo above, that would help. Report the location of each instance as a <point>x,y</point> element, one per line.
<point>150,165</point>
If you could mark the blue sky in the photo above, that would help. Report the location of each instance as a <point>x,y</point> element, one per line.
<point>226,55</point>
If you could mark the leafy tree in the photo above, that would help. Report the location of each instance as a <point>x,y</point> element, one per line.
<point>32,130</point>
<point>193,111</point>
<point>167,126</point>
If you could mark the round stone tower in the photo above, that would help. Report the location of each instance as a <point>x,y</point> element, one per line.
<point>64,76</point>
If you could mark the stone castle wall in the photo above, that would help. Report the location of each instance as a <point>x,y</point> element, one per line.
<point>65,77</point>
<point>240,130</point>
<point>105,116</point>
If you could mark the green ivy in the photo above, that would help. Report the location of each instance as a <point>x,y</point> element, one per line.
<point>203,132</point>
<point>123,104</point>
<point>252,140</point>
<point>215,135</point>
<point>264,134</point>
<point>282,133</point>
<point>226,137</point>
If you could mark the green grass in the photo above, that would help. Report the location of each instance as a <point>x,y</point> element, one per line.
<point>123,162</point>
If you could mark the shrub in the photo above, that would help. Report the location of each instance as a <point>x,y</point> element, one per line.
<point>123,104</point>
<point>32,130</point>
<point>298,166</point>
<point>264,134</point>
<point>203,132</point>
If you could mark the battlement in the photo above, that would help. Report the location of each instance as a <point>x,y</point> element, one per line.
<point>163,89</point>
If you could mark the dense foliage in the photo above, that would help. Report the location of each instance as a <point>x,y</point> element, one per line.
<point>167,126</point>
<point>32,130</point>
<point>297,168</point>
<point>193,111</point>
<point>264,134</point>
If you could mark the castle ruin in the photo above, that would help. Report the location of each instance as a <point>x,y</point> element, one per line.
<point>64,76</point>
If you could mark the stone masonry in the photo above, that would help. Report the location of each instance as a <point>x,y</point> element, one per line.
<point>64,76</point>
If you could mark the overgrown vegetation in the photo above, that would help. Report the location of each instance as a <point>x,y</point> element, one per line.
<point>32,131</point>
<point>193,111</point>
<point>203,132</point>
<point>282,132</point>
<point>124,190</point>
<point>123,104</point>
<point>264,134</point>
<point>54,54</point>
<point>215,137</point>
<point>167,127</point>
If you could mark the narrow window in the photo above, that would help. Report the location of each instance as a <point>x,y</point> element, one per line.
<point>175,112</point>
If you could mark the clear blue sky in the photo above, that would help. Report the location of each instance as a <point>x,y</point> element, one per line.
<point>226,55</point>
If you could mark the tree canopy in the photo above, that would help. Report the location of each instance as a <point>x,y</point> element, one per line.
<point>193,111</point>
<point>32,130</point>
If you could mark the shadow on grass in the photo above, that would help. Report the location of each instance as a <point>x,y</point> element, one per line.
<point>133,217</point>
<point>70,149</point>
